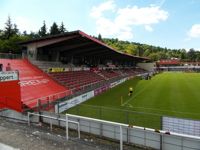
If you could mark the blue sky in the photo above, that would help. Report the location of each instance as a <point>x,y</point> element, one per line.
<point>165,23</point>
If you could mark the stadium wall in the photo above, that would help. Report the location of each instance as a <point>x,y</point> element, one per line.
<point>144,137</point>
<point>147,66</point>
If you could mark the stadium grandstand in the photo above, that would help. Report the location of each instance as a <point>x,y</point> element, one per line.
<point>58,66</point>
<point>175,64</point>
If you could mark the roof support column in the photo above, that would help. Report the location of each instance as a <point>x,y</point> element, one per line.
<point>57,56</point>
<point>32,52</point>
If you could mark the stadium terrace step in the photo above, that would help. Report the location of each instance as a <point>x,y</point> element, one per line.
<point>76,79</point>
<point>35,84</point>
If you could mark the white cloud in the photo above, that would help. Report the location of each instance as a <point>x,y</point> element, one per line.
<point>141,16</point>
<point>106,26</point>
<point>148,28</point>
<point>121,25</point>
<point>98,11</point>
<point>194,32</point>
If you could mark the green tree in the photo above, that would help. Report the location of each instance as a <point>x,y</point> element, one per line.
<point>191,55</point>
<point>183,54</point>
<point>162,55</point>
<point>197,56</point>
<point>1,34</point>
<point>99,37</point>
<point>154,56</point>
<point>8,32</point>
<point>25,33</point>
<point>129,49</point>
<point>54,29</point>
<point>15,30</point>
<point>146,53</point>
<point>140,51</point>
<point>33,35</point>
<point>43,30</point>
<point>62,28</point>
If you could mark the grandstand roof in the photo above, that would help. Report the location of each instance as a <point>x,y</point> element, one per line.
<point>80,44</point>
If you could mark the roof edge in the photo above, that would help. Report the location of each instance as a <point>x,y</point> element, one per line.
<point>83,34</point>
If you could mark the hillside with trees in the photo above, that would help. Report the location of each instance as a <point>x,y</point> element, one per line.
<point>152,52</point>
<point>10,36</point>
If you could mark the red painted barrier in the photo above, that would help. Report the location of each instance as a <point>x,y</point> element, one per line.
<point>34,83</point>
<point>10,95</point>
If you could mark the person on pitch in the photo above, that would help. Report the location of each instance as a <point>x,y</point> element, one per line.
<point>130,91</point>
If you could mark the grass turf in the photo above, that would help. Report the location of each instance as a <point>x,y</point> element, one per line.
<point>168,94</point>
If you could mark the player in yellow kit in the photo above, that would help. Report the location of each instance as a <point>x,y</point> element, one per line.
<point>130,91</point>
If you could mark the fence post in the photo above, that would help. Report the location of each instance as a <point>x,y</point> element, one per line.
<point>58,116</point>
<point>101,129</point>
<point>28,119</point>
<point>50,124</point>
<point>79,130</point>
<point>182,143</point>
<point>121,138</point>
<point>145,140</point>
<point>161,141</point>
<point>128,135</point>
<point>67,128</point>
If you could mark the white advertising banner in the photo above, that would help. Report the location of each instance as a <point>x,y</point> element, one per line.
<point>8,76</point>
<point>117,82</point>
<point>63,106</point>
<point>73,102</point>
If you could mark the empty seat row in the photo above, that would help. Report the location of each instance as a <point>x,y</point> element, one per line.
<point>76,79</point>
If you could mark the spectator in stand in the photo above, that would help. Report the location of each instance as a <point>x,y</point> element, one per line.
<point>1,67</point>
<point>8,67</point>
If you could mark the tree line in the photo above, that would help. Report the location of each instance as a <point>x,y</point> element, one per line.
<point>153,52</point>
<point>10,36</point>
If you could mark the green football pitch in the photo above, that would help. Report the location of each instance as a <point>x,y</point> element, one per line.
<point>174,94</point>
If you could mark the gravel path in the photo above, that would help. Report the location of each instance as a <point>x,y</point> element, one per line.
<point>17,136</point>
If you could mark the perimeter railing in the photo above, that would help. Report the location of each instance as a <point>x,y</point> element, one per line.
<point>122,133</point>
